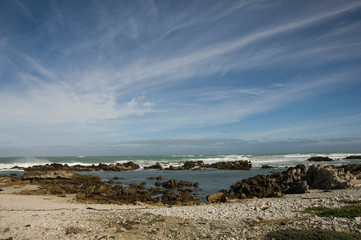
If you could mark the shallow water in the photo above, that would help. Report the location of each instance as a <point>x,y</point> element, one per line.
<point>210,180</point>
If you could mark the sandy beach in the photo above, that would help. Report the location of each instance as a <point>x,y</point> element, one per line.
<point>54,217</point>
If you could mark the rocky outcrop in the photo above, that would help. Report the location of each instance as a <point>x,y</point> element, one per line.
<point>354,157</point>
<point>91,189</point>
<point>325,177</point>
<point>220,197</point>
<point>260,186</point>
<point>296,179</point>
<point>267,166</point>
<point>128,166</point>
<point>155,166</point>
<point>274,185</point>
<point>188,165</point>
<point>181,197</point>
<point>117,167</point>
<point>60,174</point>
<point>320,159</point>
<point>354,169</point>
<point>230,165</point>
<point>172,184</point>
<point>293,180</point>
<point>234,165</point>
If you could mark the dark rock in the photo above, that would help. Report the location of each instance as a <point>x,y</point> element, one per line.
<point>182,184</point>
<point>189,165</point>
<point>294,174</point>
<point>233,165</point>
<point>320,159</point>
<point>220,197</point>
<point>354,169</point>
<point>267,166</point>
<point>90,189</point>
<point>156,166</point>
<point>297,187</point>
<point>158,183</point>
<point>184,197</point>
<point>325,177</point>
<point>170,184</point>
<point>259,186</point>
<point>159,178</point>
<point>174,168</point>
<point>354,157</point>
<point>80,168</point>
<point>293,180</point>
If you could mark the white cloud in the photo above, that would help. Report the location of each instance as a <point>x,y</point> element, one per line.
<point>115,69</point>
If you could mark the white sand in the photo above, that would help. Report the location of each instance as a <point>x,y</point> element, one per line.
<point>52,217</point>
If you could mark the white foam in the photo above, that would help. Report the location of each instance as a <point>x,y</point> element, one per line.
<point>24,163</point>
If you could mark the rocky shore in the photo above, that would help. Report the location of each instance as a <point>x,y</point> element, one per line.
<point>91,189</point>
<point>129,166</point>
<point>65,205</point>
<point>53,217</point>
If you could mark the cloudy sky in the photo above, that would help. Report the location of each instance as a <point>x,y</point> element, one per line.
<point>171,77</point>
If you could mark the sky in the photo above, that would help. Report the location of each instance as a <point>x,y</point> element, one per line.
<point>179,77</point>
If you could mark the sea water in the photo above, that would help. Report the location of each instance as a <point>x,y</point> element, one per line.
<point>210,180</point>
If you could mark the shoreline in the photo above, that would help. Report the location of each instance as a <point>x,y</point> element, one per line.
<point>54,217</point>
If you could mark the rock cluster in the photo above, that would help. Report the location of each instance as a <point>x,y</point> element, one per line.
<point>231,165</point>
<point>91,189</point>
<point>354,157</point>
<point>297,179</point>
<point>267,166</point>
<point>128,166</point>
<point>320,159</point>
<point>117,167</point>
<point>354,169</point>
<point>325,177</point>
<point>155,166</point>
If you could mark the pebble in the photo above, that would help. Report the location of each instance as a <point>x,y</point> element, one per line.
<point>238,220</point>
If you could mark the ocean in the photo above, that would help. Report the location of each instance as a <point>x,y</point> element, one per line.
<point>210,180</point>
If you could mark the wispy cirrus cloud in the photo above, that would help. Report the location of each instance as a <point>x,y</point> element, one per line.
<point>123,72</point>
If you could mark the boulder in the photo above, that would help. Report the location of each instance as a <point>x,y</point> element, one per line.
<point>352,168</point>
<point>233,165</point>
<point>320,159</point>
<point>325,177</point>
<point>219,197</point>
<point>182,197</point>
<point>267,166</point>
<point>260,186</point>
<point>297,187</point>
<point>155,166</point>
<point>173,168</point>
<point>170,184</point>
<point>354,157</point>
<point>294,174</point>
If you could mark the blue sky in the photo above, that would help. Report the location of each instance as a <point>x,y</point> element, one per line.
<point>173,77</point>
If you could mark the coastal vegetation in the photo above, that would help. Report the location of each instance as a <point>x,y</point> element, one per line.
<point>311,234</point>
<point>348,211</point>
